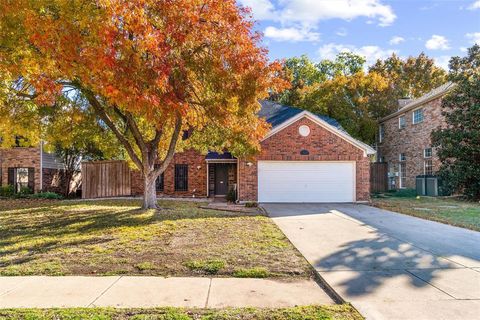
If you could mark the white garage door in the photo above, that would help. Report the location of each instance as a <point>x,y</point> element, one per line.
<point>312,181</point>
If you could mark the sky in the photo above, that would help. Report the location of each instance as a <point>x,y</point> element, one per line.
<point>372,28</point>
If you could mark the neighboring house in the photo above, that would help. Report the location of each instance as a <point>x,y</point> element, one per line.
<point>404,138</point>
<point>31,167</point>
<point>304,158</point>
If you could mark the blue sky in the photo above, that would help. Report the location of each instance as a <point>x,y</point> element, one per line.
<point>372,28</point>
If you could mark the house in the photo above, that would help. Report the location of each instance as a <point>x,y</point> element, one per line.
<point>304,158</point>
<point>404,138</point>
<point>31,167</point>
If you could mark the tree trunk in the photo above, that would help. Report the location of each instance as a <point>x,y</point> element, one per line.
<point>149,193</point>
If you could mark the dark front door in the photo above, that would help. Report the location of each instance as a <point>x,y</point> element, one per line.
<point>221,179</point>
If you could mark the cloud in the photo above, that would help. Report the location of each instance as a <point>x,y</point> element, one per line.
<point>310,12</point>
<point>442,61</point>
<point>396,40</point>
<point>475,5</point>
<point>291,34</point>
<point>371,53</point>
<point>437,42</point>
<point>474,37</point>
<point>342,32</point>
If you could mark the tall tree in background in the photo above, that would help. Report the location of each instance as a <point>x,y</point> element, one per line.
<point>458,144</point>
<point>148,69</point>
<point>407,78</point>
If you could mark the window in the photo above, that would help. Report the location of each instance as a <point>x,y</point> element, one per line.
<point>21,178</point>
<point>427,153</point>
<point>381,159</point>
<point>428,167</point>
<point>181,177</point>
<point>402,157</point>
<point>381,133</point>
<point>403,174</point>
<point>159,183</point>
<point>418,116</point>
<point>401,122</point>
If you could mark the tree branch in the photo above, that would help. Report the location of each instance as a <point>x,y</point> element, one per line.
<point>171,147</point>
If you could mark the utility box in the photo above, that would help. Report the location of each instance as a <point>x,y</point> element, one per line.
<point>429,186</point>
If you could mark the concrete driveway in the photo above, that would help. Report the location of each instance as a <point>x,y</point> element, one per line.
<point>388,265</point>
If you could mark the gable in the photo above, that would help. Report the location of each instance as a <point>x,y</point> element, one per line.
<point>317,121</point>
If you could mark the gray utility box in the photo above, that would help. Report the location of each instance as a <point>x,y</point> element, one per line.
<point>427,186</point>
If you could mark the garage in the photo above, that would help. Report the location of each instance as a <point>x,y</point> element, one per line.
<point>306,181</point>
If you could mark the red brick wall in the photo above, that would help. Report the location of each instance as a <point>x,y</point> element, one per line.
<point>411,140</point>
<point>20,158</point>
<point>322,145</point>
<point>197,176</point>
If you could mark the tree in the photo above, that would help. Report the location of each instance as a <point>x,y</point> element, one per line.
<point>458,144</point>
<point>409,78</point>
<point>148,69</point>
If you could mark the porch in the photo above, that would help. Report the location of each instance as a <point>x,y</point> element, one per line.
<point>222,174</point>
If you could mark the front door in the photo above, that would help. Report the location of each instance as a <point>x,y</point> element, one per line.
<point>221,179</point>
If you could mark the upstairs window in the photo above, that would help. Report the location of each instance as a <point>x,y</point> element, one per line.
<point>381,133</point>
<point>402,157</point>
<point>427,153</point>
<point>401,122</point>
<point>181,177</point>
<point>418,116</point>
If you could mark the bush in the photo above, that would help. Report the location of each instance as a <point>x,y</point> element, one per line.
<point>231,196</point>
<point>24,191</point>
<point>405,193</point>
<point>251,204</point>
<point>7,191</point>
<point>47,195</point>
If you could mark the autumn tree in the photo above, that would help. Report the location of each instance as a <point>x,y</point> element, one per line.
<point>458,144</point>
<point>407,78</point>
<point>148,69</point>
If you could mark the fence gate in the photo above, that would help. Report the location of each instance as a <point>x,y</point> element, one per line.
<point>102,179</point>
<point>379,177</point>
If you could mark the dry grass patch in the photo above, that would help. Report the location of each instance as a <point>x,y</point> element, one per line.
<point>115,237</point>
<point>446,210</point>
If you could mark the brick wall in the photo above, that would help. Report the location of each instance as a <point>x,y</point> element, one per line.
<point>20,158</point>
<point>197,176</point>
<point>322,145</point>
<point>411,140</point>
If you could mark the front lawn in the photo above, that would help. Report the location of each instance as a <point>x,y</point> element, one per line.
<point>41,237</point>
<point>446,210</point>
<point>337,312</point>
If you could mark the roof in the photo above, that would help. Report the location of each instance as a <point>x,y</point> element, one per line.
<point>276,114</point>
<point>435,93</point>
<point>219,156</point>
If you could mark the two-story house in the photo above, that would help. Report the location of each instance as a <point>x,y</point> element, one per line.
<point>404,138</point>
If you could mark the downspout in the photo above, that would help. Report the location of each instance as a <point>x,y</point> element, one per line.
<point>41,165</point>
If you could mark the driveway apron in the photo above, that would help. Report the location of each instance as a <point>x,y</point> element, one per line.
<point>388,265</point>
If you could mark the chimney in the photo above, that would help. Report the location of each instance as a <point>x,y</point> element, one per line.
<point>403,102</point>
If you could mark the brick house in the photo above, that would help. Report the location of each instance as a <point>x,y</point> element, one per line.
<point>304,158</point>
<point>404,138</point>
<point>31,167</point>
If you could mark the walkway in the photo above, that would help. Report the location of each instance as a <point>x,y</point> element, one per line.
<point>138,292</point>
<point>388,265</point>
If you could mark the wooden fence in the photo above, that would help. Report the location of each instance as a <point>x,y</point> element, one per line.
<point>379,177</point>
<point>102,179</point>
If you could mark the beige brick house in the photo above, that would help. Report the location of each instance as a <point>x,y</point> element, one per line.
<point>404,138</point>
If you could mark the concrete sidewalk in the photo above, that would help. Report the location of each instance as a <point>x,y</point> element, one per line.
<point>138,292</point>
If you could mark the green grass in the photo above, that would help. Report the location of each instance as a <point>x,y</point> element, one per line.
<point>446,210</point>
<point>334,312</point>
<point>51,237</point>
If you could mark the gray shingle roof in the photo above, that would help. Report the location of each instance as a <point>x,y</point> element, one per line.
<point>276,114</point>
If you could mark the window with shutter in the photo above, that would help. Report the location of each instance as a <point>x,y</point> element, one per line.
<point>31,179</point>
<point>11,177</point>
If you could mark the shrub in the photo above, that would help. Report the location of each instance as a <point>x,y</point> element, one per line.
<point>24,191</point>
<point>251,273</point>
<point>208,266</point>
<point>405,193</point>
<point>47,195</point>
<point>251,204</point>
<point>231,195</point>
<point>7,191</point>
